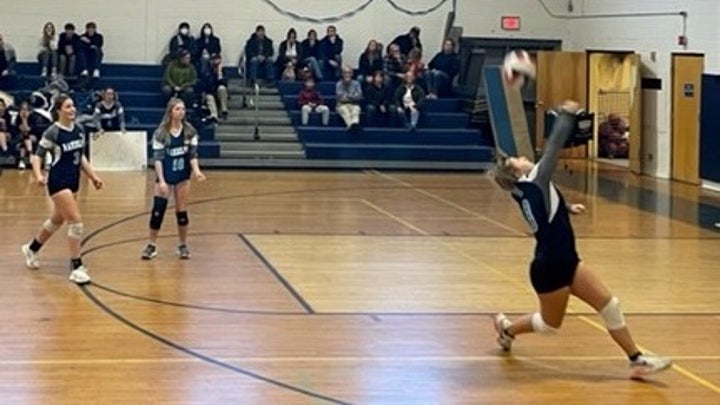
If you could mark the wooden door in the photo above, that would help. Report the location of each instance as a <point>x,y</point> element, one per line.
<point>635,149</point>
<point>687,70</point>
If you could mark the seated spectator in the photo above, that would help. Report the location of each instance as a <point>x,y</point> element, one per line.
<point>109,113</point>
<point>381,110</point>
<point>348,94</point>
<point>370,62</point>
<point>22,131</point>
<point>395,67</point>
<point>409,98</point>
<point>331,49</point>
<point>443,68</point>
<point>288,53</point>
<point>310,56</point>
<point>207,47</point>
<point>311,101</point>
<point>215,89</point>
<point>613,134</point>
<point>93,43</point>
<point>408,42</point>
<point>180,78</point>
<point>415,64</point>
<point>181,41</point>
<point>47,57</point>
<point>7,64</point>
<point>69,47</point>
<point>258,53</point>
<point>4,127</point>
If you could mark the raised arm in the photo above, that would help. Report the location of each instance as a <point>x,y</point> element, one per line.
<point>563,128</point>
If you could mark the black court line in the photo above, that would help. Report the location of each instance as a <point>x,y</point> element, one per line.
<point>303,303</point>
<point>203,357</point>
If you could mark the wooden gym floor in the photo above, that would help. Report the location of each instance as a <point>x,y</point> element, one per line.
<point>353,287</point>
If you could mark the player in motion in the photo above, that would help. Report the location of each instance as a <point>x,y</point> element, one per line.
<point>556,270</point>
<point>65,142</point>
<point>175,144</point>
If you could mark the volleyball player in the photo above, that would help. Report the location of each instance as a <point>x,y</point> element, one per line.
<point>175,145</point>
<point>65,142</point>
<point>556,271</point>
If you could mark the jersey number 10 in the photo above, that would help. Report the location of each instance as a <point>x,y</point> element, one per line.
<point>178,164</point>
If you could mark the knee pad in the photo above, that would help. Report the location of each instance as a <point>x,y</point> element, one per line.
<point>76,230</point>
<point>539,325</point>
<point>182,218</point>
<point>49,226</point>
<point>612,315</point>
<point>158,213</point>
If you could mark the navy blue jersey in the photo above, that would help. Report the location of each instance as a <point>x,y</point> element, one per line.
<point>175,152</point>
<point>65,147</point>
<point>110,118</point>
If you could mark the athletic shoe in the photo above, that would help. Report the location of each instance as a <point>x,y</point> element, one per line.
<point>21,164</point>
<point>503,338</point>
<point>31,258</point>
<point>648,364</point>
<point>149,252</point>
<point>80,276</point>
<point>184,252</point>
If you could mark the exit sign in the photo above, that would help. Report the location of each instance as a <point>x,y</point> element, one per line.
<point>510,23</point>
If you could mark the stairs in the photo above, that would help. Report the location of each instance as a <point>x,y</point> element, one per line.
<point>277,139</point>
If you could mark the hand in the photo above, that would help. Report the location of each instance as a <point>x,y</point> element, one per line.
<point>97,183</point>
<point>41,180</point>
<point>576,208</point>
<point>199,176</point>
<point>85,39</point>
<point>164,189</point>
<point>383,109</point>
<point>5,72</point>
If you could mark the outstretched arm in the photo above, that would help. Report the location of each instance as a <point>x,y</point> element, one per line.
<point>563,128</point>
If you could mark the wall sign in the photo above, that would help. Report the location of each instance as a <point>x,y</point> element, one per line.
<point>510,23</point>
<point>689,90</point>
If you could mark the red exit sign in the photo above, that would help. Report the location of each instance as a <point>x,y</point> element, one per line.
<point>510,23</point>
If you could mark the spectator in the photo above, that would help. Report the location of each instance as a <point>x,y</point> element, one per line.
<point>22,130</point>
<point>415,64</point>
<point>207,47</point>
<point>443,68</point>
<point>331,49</point>
<point>614,135</point>
<point>408,42</point>
<point>47,57</point>
<point>69,47</point>
<point>380,107</point>
<point>311,101</point>
<point>4,127</point>
<point>92,50</point>
<point>258,53</point>
<point>395,67</point>
<point>370,62</point>
<point>348,94</point>
<point>109,113</point>
<point>180,78</point>
<point>310,55</point>
<point>288,53</point>
<point>215,89</point>
<point>7,64</point>
<point>409,98</point>
<point>181,41</point>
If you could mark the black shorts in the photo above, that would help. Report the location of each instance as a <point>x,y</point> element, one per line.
<point>551,276</point>
<point>55,187</point>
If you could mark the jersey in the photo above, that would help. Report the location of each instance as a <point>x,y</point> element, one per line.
<point>110,118</point>
<point>65,147</point>
<point>175,153</point>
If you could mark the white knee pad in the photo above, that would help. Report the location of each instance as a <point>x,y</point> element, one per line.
<point>76,230</point>
<point>612,315</point>
<point>539,325</point>
<point>49,226</point>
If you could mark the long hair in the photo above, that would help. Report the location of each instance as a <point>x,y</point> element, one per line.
<point>503,174</point>
<point>47,38</point>
<point>167,118</point>
<point>57,105</point>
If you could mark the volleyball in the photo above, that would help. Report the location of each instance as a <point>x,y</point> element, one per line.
<point>518,68</point>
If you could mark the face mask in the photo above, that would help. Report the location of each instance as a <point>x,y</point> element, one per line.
<point>207,31</point>
<point>183,31</point>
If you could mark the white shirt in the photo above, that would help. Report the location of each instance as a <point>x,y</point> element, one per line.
<point>407,98</point>
<point>291,51</point>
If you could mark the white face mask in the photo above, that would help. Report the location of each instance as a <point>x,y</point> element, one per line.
<point>183,31</point>
<point>207,31</point>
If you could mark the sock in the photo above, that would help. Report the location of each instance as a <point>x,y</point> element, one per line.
<point>35,245</point>
<point>635,356</point>
<point>75,263</point>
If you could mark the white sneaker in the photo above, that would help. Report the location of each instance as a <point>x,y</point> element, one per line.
<point>31,258</point>
<point>43,73</point>
<point>84,72</point>
<point>80,276</point>
<point>21,165</point>
<point>96,73</point>
<point>501,324</point>
<point>648,364</point>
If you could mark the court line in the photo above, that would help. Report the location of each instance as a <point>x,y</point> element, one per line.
<point>448,202</point>
<point>395,218</point>
<point>330,359</point>
<point>299,298</point>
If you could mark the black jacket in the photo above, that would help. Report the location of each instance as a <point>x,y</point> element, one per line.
<point>211,44</point>
<point>405,42</point>
<point>367,67</point>
<point>418,95</point>
<point>310,50</point>
<point>281,58</point>
<point>255,47</point>
<point>73,41</point>
<point>181,42</point>
<point>329,50</point>
<point>446,62</point>
<point>378,96</point>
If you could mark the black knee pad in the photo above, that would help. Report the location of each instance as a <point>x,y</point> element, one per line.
<point>182,218</point>
<point>158,213</point>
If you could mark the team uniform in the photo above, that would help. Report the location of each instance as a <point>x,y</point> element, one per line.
<point>175,151</point>
<point>65,147</point>
<point>110,118</point>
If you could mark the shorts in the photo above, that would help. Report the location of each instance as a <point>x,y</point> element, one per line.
<point>174,181</point>
<point>547,277</point>
<point>56,187</point>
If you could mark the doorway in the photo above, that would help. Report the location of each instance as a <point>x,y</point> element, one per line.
<point>687,70</point>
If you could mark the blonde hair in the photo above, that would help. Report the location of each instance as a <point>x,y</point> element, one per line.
<point>167,118</point>
<point>503,174</point>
